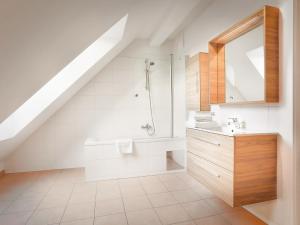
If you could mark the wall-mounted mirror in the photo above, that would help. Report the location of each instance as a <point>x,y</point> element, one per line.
<point>244,67</point>
<point>244,61</point>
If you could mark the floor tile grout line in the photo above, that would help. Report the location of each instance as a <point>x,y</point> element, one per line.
<point>119,186</point>
<point>66,206</point>
<point>150,202</point>
<point>15,199</point>
<point>178,204</point>
<point>36,209</point>
<point>95,205</point>
<point>181,203</point>
<point>205,217</point>
<point>220,212</point>
<point>203,199</point>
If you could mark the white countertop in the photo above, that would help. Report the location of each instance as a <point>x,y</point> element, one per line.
<point>238,132</point>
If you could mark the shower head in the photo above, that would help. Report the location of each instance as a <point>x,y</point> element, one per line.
<point>149,63</point>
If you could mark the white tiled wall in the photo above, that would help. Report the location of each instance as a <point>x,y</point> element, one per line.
<point>110,101</point>
<point>105,108</point>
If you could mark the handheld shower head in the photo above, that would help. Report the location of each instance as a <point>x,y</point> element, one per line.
<point>149,63</point>
<point>150,128</point>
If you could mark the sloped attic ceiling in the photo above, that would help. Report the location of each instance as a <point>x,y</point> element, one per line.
<point>62,81</point>
<point>40,37</point>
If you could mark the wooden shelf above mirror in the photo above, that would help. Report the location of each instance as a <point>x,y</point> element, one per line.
<point>268,19</point>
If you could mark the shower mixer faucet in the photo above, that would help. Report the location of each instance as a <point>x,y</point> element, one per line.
<point>146,127</point>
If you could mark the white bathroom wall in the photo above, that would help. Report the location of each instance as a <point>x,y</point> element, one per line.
<point>113,105</point>
<point>278,117</point>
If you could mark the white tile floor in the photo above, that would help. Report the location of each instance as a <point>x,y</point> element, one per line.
<point>63,197</point>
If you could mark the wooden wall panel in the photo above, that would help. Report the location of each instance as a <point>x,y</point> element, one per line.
<point>213,73</point>
<point>240,28</point>
<point>221,74</point>
<point>271,54</point>
<point>192,83</point>
<point>217,73</point>
<point>255,169</point>
<point>204,82</point>
<point>197,82</point>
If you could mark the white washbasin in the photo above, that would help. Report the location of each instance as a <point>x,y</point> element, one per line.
<point>224,130</point>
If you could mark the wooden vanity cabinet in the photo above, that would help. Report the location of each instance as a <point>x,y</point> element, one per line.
<point>197,82</point>
<point>239,169</point>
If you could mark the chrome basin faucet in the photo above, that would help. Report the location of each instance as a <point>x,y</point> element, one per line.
<point>234,121</point>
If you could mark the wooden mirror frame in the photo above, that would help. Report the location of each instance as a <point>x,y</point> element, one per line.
<point>268,17</point>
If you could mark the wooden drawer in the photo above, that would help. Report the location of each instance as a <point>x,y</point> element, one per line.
<point>240,170</point>
<point>219,180</point>
<point>212,151</point>
<point>225,142</point>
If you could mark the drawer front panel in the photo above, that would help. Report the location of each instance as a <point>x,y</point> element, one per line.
<point>218,180</point>
<point>211,151</point>
<point>216,140</point>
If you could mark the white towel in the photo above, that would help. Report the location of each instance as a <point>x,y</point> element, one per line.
<point>203,116</point>
<point>124,146</point>
<point>207,125</point>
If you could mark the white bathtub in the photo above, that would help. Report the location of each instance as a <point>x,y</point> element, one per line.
<point>103,161</point>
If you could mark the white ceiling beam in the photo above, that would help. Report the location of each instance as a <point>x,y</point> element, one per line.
<point>176,16</point>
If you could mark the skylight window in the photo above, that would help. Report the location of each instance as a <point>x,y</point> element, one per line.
<point>62,81</point>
